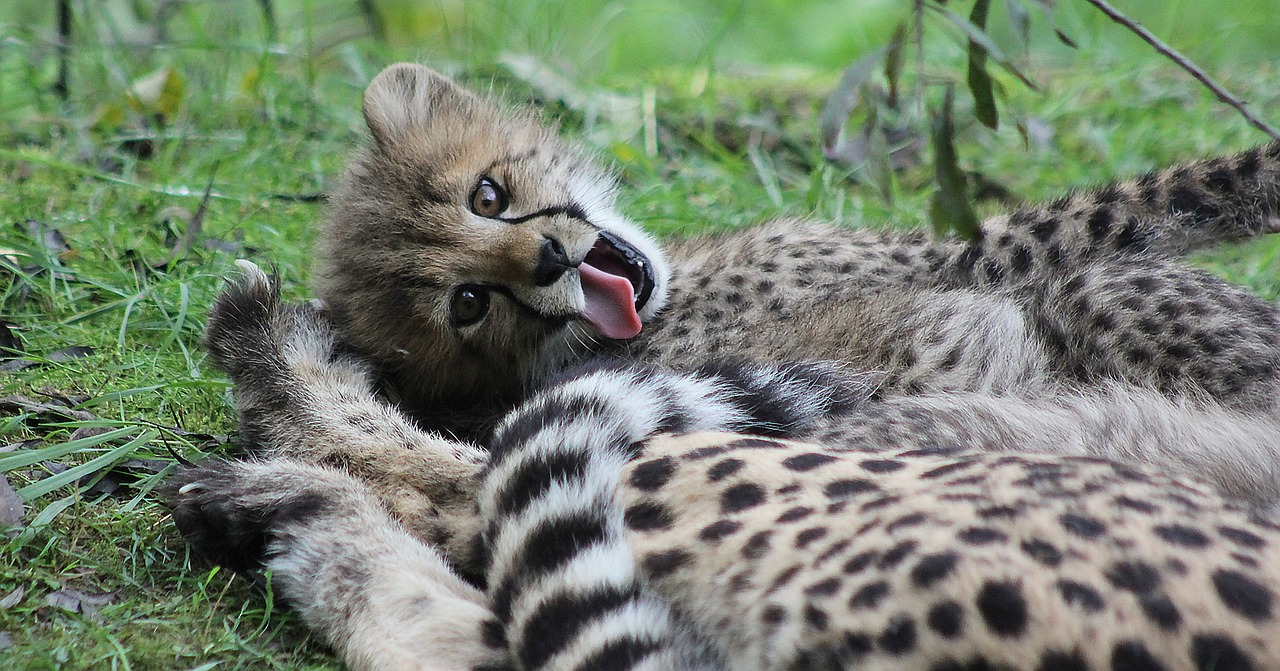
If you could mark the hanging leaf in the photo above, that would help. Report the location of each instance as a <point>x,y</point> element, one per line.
<point>1019,21</point>
<point>1047,7</point>
<point>893,63</point>
<point>976,34</point>
<point>949,208</point>
<point>844,99</point>
<point>879,165</point>
<point>984,100</point>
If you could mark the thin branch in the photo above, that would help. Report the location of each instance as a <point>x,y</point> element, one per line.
<point>1182,62</point>
<point>62,86</point>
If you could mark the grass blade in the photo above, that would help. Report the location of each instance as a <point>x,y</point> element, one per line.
<point>74,473</point>
<point>9,462</point>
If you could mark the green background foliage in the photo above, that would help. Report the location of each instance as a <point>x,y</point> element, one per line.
<point>708,110</point>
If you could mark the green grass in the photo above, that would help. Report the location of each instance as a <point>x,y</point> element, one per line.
<point>735,107</point>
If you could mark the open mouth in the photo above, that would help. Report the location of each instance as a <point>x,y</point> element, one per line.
<point>617,281</point>
<point>615,256</point>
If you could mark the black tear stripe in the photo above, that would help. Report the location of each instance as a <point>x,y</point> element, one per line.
<point>570,210</point>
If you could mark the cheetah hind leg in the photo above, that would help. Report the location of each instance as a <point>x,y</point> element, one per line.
<point>384,600</point>
<point>300,395</point>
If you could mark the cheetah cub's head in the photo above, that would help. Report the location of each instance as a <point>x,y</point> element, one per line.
<point>470,251</point>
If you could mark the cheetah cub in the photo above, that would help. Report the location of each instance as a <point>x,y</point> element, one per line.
<point>621,527</point>
<point>470,254</point>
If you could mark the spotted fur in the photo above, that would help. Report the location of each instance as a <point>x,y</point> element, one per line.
<point>620,533</point>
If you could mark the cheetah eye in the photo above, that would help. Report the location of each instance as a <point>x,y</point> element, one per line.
<point>488,200</point>
<point>470,305</point>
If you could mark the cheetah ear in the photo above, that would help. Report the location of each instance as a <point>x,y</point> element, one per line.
<point>404,97</point>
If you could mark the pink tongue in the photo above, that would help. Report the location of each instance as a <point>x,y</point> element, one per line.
<point>611,303</point>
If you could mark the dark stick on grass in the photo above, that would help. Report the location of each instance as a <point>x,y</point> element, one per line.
<point>1184,63</point>
<point>269,17</point>
<point>62,87</point>
<point>374,18</point>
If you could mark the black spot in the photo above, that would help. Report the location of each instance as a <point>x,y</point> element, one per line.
<point>774,614</point>
<point>794,514</point>
<point>1243,594</point>
<point>659,564</point>
<point>757,545</point>
<point>648,516</point>
<point>910,520</point>
<point>804,538</point>
<point>1042,551</point>
<point>843,488</point>
<point>899,637</point>
<point>651,476</point>
<point>1133,656</point>
<point>1137,505</point>
<point>895,555</point>
<point>1000,512</point>
<point>1099,223</point>
<point>816,617</point>
<point>857,644</point>
<point>1186,199</point>
<point>1082,525</point>
<point>933,568</point>
<point>982,536</point>
<point>1161,611</point>
<point>716,531</point>
<point>946,469</point>
<point>808,461</point>
<point>1130,236</point>
<point>1242,537</point>
<point>1054,660</point>
<point>1219,653</point>
<point>783,578</point>
<point>1134,576</point>
<point>1177,534</point>
<point>860,562</point>
<point>1003,608</point>
<point>1081,596</point>
<point>826,587</point>
<point>881,465</point>
<point>741,497</point>
<point>870,595</point>
<point>1020,262</point>
<point>946,618</point>
<point>724,469</point>
<point>1044,229</point>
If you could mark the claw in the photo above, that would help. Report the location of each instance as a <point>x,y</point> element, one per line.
<point>190,487</point>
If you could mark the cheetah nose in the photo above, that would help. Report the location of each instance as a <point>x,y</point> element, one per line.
<point>552,262</point>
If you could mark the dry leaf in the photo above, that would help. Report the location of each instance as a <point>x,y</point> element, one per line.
<point>14,598</point>
<point>10,506</point>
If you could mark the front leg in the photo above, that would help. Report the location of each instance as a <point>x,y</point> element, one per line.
<point>384,600</point>
<point>300,396</point>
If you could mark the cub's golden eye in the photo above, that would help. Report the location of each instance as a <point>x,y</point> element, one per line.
<point>470,305</point>
<point>488,200</point>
